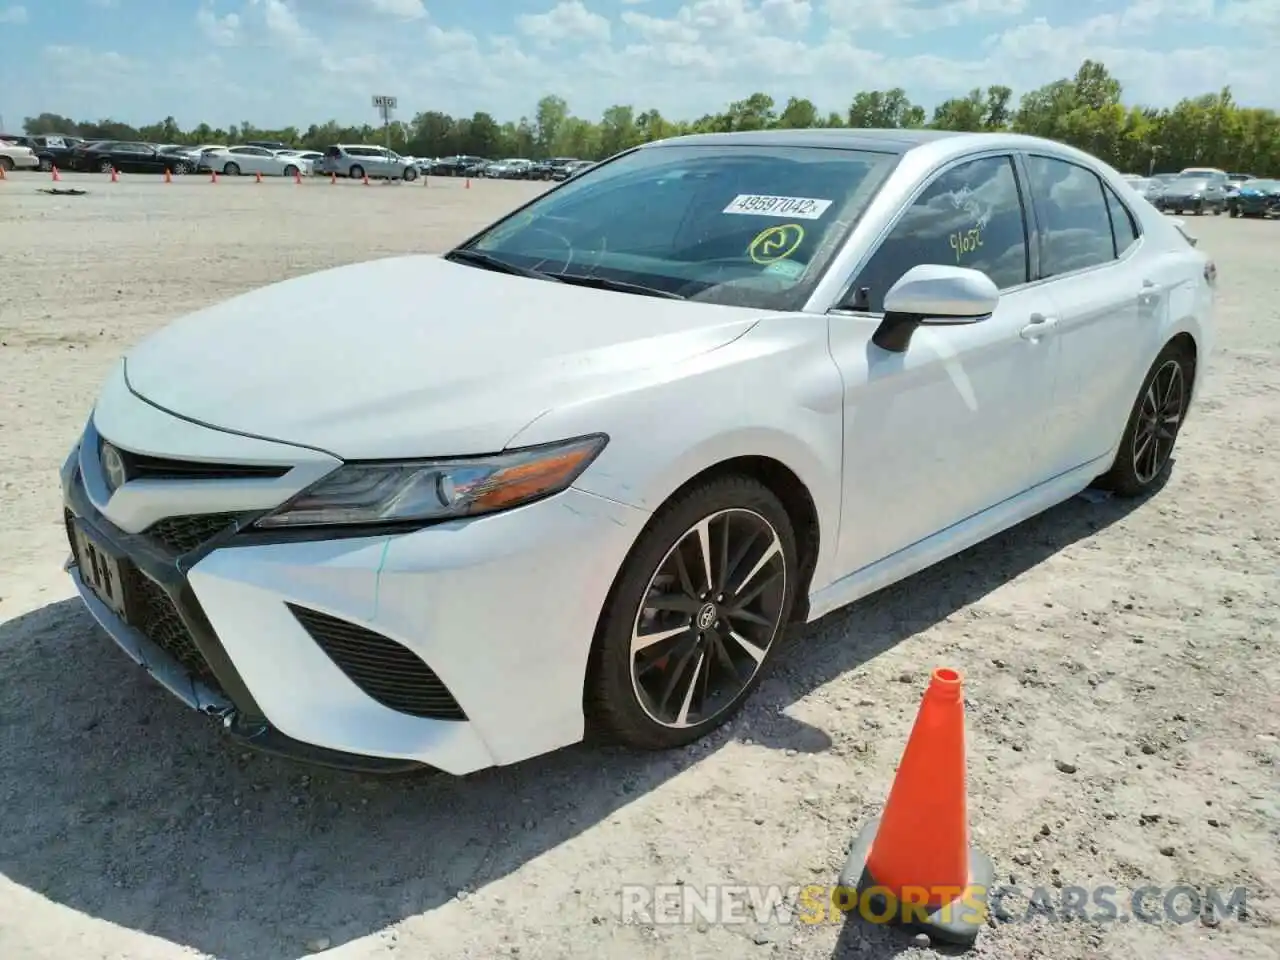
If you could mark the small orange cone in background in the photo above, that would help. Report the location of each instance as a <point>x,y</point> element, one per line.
<point>297,176</point>
<point>467,185</point>
<point>913,865</point>
<point>366,179</point>
<point>168,176</point>
<point>257,177</point>
<point>213,176</point>
<point>333,179</point>
<point>2,176</point>
<point>56,175</point>
<point>115,175</point>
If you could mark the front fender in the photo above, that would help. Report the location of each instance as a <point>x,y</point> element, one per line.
<point>775,392</point>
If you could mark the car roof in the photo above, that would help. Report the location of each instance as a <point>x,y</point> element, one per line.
<point>941,145</point>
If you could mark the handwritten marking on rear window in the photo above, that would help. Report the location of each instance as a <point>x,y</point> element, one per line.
<point>792,208</point>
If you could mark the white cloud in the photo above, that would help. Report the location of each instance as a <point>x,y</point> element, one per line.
<point>223,31</point>
<point>907,18</point>
<point>568,20</point>
<point>14,15</point>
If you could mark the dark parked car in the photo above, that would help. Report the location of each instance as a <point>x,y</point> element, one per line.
<point>458,166</point>
<point>1194,192</point>
<point>1256,198</point>
<point>55,150</point>
<point>128,156</point>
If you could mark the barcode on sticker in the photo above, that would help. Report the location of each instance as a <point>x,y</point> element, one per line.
<point>793,208</point>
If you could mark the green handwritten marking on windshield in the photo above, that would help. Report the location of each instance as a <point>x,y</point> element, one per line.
<point>776,243</point>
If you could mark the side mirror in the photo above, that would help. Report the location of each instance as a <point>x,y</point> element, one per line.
<point>933,295</point>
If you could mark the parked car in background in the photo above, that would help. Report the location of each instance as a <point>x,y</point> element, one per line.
<point>245,159</point>
<point>361,160</point>
<point>1240,177</point>
<point>267,144</point>
<point>311,157</point>
<point>54,150</point>
<point>573,169</point>
<point>1195,193</point>
<point>17,156</point>
<point>860,366</point>
<point>1255,198</point>
<point>128,156</point>
<point>457,166</point>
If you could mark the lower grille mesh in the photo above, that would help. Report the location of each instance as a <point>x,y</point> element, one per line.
<point>385,670</point>
<point>181,535</point>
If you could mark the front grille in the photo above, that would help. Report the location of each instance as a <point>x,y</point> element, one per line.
<point>141,467</point>
<point>150,611</point>
<point>385,670</point>
<point>181,535</point>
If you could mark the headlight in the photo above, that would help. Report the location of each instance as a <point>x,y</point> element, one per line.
<point>373,493</point>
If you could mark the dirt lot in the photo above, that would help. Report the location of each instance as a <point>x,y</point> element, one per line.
<point>1134,645</point>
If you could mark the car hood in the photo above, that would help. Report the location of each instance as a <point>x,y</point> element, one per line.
<point>415,356</point>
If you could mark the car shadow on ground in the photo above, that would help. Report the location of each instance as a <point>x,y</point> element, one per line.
<point>123,805</point>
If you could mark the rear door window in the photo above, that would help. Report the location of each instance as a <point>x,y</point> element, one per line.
<point>1075,223</point>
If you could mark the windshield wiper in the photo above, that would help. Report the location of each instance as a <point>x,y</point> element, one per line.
<point>621,286</point>
<point>489,262</point>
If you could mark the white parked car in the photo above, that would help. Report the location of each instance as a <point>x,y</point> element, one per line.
<point>308,157</point>
<point>246,160</point>
<point>579,472</point>
<point>15,157</point>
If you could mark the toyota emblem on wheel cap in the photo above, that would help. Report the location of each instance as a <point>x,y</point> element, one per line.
<point>113,468</point>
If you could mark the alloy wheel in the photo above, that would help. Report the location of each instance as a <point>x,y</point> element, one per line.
<point>1158,420</point>
<point>710,614</point>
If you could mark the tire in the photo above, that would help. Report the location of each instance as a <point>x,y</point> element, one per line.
<point>1235,212</point>
<point>356,172</point>
<point>1217,211</point>
<point>231,170</point>
<point>181,169</point>
<point>105,166</point>
<point>291,171</point>
<point>1133,474</point>
<point>620,704</point>
<point>410,174</point>
<point>45,164</point>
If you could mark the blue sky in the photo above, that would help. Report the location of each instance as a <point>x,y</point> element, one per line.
<point>276,62</point>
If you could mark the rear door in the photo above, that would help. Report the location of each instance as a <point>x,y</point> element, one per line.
<point>1089,246</point>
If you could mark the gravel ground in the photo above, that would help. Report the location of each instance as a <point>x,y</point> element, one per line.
<point>1120,659</point>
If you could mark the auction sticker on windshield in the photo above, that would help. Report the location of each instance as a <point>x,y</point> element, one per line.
<point>803,208</point>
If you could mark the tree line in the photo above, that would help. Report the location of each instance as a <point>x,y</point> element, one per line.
<point>1086,111</point>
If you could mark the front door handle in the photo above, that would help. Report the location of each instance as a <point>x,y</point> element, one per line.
<point>1150,294</point>
<point>1040,326</point>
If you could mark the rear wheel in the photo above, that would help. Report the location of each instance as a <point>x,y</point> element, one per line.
<point>356,172</point>
<point>291,171</point>
<point>693,616</point>
<point>410,174</point>
<point>1146,448</point>
<point>105,166</point>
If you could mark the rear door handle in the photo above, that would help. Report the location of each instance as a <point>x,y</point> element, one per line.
<point>1040,326</point>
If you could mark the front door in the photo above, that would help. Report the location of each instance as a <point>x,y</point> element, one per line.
<point>953,425</point>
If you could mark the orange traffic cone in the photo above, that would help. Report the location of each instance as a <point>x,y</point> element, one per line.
<point>297,176</point>
<point>168,176</point>
<point>257,177</point>
<point>115,175</point>
<point>333,179</point>
<point>56,175</point>
<point>913,865</point>
<point>467,185</point>
<point>2,176</point>
<point>366,179</point>
<point>213,176</point>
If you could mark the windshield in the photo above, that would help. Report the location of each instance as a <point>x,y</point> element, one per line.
<point>741,225</point>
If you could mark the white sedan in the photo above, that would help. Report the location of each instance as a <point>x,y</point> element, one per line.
<point>577,474</point>
<point>237,161</point>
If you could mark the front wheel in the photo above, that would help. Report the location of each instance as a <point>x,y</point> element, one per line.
<point>1146,448</point>
<point>105,166</point>
<point>231,170</point>
<point>291,171</point>
<point>181,169</point>
<point>356,172</point>
<point>693,616</point>
<point>410,174</point>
